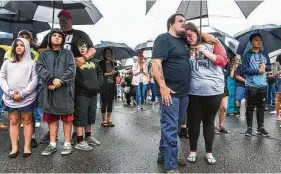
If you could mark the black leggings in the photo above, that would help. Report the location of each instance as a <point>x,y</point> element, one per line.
<point>107,98</point>
<point>202,108</point>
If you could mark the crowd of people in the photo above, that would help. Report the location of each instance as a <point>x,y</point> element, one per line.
<point>189,72</point>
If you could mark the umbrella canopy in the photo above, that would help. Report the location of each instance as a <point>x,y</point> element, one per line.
<point>6,41</point>
<point>120,50</point>
<point>230,44</point>
<point>271,37</point>
<point>83,12</point>
<point>144,46</point>
<point>14,24</point>
<point>191,9</point>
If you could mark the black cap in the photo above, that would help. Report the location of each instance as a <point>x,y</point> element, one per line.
<point>25,32</point>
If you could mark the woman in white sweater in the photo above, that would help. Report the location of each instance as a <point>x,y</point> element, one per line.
<point>140,80</point>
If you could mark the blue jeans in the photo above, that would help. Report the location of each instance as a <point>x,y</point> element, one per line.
<point>271,94</point>
<point>152,88</point>
<point>1,103</point>
<point>170,116</point>
<point>38,114</point>
<point>141,93</point>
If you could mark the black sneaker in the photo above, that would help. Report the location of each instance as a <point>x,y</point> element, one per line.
<point>34,143</point>
<point>45,139</point>
<point>262,132</point>
<point>223,130</point>
<point>249,131</point>
<point>183,133</point>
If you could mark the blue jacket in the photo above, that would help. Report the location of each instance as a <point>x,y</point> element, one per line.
<point>250,66</point>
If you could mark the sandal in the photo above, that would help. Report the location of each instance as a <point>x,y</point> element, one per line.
<point>210,161</point>
<point>110,123</point>
<point>192,158</point>
<point>104,124</point>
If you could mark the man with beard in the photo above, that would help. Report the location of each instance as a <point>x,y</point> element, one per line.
<point>171,69</point>
<point>72,38</point>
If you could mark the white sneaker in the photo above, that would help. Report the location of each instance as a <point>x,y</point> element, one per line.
<point>83,145</point>
<point>67,149</point>
<point>21,125</point>
<point>37,124</point>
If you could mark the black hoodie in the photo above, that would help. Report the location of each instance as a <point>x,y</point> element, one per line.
<point>57,64</point>
<point>89,78</point>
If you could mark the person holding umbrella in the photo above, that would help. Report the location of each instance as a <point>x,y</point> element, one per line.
<point>255,64</point>
<point>206,90</point>
<point>72,38</point>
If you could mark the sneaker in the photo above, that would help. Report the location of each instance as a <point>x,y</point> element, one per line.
<point>21,125</point>
<point>262,132</point>
<point>3,127</point>
<point>265,109</point>
<point>223,130</point>
<point>37,124</point>
<point>73,139</point>
<point>67,149</point>
<point>217,131</point>
<point>230,114</point>
<point>142,109</point>
<point>34,143</point>
<point>83,145</point>
<point>92,141</point>
<point>237,114</point>
<point>173,171</point>
<point>45,139</point>
<point>183,133</point>
<point>249,131</point>
<point>49,150</point>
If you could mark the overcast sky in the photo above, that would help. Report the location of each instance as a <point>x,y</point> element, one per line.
<point>125,20</point>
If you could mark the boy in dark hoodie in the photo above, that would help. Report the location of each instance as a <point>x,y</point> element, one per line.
<point>88,81</point>
<point>56,68</point>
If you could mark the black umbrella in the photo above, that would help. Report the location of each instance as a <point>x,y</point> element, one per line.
<point>120,50</point>
<point>271,37</point>
<point>83,12</point>
<point>199,9</point>
<point>229,43</point>
<point>14,24</point>
<point>144,46</point>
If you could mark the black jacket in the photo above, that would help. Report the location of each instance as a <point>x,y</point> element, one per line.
<point>89,79</point>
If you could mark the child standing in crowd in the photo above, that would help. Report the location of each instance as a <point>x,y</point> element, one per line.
<point>56,67</point>
<point>231,109</point>
<point>18,82</point>
<point>278,87</point>
<point>88,81</point>
<point>255,64</point>
<point>240,88</point>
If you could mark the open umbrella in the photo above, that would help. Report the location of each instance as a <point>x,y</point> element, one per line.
<point>140,48</point>
<point>200,8</point>
<point>271,37</point>
<point>14,24</point>
<point>230,44</point>
<point>120,50</point>
<point>83,12</point>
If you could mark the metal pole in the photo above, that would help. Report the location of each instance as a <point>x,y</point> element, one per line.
<point>200,54</point>
<point>53,14</point>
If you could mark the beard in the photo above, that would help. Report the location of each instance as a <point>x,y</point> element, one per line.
<point>181,34</point>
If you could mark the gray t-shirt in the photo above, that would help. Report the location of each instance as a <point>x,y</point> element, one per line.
<point>109,68</point>
<point>207,79</point>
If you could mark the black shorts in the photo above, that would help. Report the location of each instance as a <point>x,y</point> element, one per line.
<point>85,111</point>
<point>226,93</point>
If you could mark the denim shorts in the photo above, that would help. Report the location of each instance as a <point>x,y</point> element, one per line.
<point>240,93</point>
<point>278,85</point>
<point>28,108</point>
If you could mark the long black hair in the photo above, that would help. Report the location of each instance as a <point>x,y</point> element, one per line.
<point>278,59</point>
<point>104,52</point>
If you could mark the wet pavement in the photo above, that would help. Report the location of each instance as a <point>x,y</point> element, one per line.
<point>132,146</point>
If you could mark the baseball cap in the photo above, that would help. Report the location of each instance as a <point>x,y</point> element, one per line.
<point>65,13</point>
<point>25,32</point>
